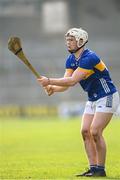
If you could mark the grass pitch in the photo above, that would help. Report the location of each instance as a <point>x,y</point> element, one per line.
<point>51,149</point>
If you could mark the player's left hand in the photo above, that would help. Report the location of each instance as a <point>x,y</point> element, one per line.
<point>44,81</point>
<point>49,90</point>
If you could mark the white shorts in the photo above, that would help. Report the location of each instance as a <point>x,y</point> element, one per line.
<point>107,104</point>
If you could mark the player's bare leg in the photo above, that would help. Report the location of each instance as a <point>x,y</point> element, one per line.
<point>88,139</point>
<point>88,142</point>
<point>100,121</point>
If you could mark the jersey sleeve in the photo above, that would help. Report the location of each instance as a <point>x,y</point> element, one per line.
<point>68,63</point>
<point>89,62</point>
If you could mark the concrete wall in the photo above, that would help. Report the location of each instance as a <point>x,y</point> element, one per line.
<point>47,51</point>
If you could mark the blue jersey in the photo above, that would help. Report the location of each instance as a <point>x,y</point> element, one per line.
<point>97,83</point>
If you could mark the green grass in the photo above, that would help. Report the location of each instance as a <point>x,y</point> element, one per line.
<point>50,149</point>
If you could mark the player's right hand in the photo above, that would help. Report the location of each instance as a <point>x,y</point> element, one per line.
<point>49,90</point>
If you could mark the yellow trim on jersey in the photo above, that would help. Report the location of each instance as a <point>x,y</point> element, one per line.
<point>88,71</point>
<point>100,66</point>
<point>70,70</point>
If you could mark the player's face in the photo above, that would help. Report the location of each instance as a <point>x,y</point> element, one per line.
<point>71,43</point>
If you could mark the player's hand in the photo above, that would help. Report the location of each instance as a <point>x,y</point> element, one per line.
<point>44,81</point>
<point>49,90</point>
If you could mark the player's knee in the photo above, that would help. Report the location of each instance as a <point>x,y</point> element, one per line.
<point>85,133</point>
<point>95,134</point>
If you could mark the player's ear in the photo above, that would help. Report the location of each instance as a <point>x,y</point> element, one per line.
<point>80,41</point>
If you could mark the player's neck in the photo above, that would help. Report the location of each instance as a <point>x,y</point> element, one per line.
<point>79,53</point>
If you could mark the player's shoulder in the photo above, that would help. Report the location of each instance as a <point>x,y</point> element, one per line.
<point>70,58</point>
<point>89,59</point>
<point>90,54</point>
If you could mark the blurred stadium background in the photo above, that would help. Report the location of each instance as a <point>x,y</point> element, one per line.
<point>41,25</point>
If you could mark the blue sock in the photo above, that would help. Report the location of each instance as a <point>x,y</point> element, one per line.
<point>93,167</point>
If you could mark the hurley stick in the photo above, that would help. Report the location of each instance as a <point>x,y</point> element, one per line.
<point>14,45</point>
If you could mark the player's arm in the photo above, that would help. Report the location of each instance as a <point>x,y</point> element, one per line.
<point>50,89</point>
<point>68,73</point>
<point>76,77</point>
